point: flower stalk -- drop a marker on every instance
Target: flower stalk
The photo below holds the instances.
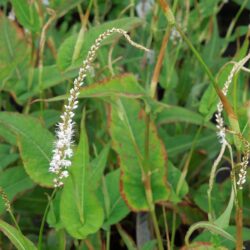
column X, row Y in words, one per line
column 63, row 146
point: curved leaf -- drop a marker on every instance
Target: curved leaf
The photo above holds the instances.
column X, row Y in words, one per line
column 123, row 85
column 35, row 144
column 209, row 226
column 17, row 239
column 14, row 181
column 223, row 220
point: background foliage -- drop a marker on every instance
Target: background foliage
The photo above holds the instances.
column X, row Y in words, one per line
column 104, row 202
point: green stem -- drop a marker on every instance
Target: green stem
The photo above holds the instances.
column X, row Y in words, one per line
column 132, row 3
column 239, row 221
column 173, row 230
column 108, row 239
column 147, row 184
column 14, row 220
column 166, row 227
column 40, row 239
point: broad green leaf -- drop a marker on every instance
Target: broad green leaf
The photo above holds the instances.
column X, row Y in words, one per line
column 81, row 212
column 14, row 181
column 35, row 144
column 7, row 135
column 180, row 143
column 16, row 238
column 128, row 129
column 117, row 209
column 174, row 114
column 123, row 85
column 27, row 14
column 66, row 50
column 219, row 194
column 14, row 50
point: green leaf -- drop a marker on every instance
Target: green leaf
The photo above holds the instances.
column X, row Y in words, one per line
column 26, row 14
column 49, row 116
column 150, row 245
column 56, row 240
column 53, row 217
column 14, row 50
column 14, row 181
column 7, row 135
column 174, row 175
column 210, row 99
column 130, row 244
column 172, row 114
column 97, row 167
column 117, row 207
column 33, row 202
column 61, row 7
column 93, row 241
column 219, row 194
column 7, row 155
column 17, row 239
column 51, row 77
column 206, row 236
column 123, row 85
column 128, row 129
column 35, row 144
column 81, row 212
column 66, row 50
column 239, row 2
column 180, row 143
column 224, row 218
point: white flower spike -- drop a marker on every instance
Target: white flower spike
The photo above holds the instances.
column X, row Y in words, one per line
column 63, row 152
